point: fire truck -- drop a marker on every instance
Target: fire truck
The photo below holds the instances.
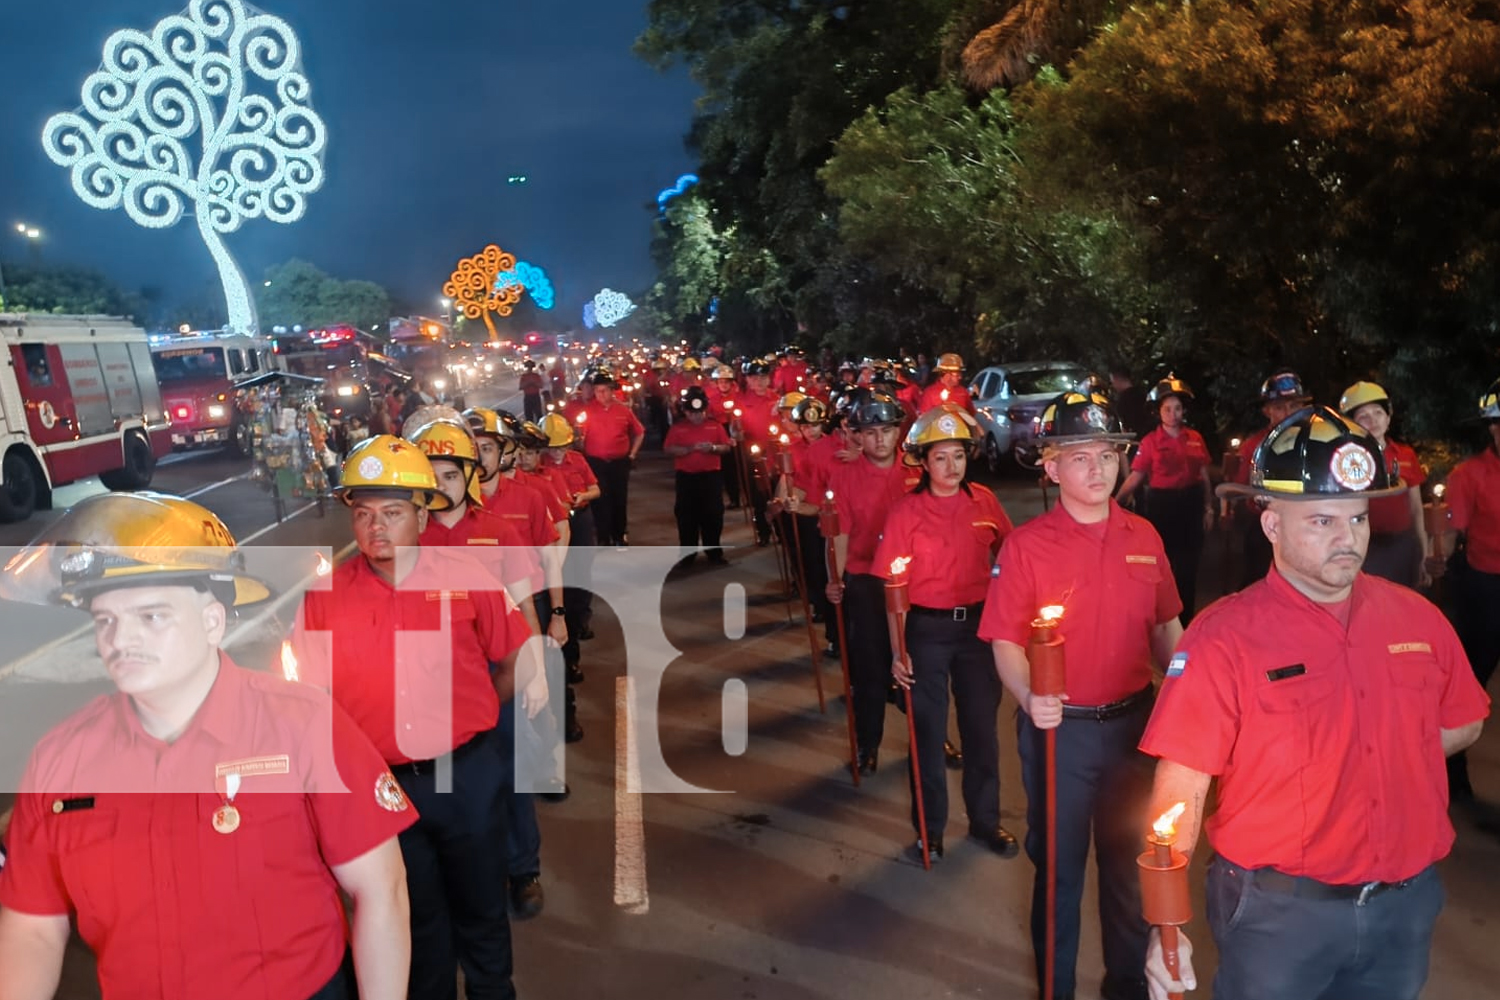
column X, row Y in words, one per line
column 78, row 398
column 200, row 373
column 348, row 361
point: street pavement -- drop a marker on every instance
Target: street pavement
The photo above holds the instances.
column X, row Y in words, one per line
column 787, row 884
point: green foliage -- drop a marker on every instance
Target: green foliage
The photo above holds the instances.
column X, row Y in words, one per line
column 297, row 293
column 61, row 289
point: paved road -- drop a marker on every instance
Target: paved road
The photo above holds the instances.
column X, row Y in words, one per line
column 787, row 886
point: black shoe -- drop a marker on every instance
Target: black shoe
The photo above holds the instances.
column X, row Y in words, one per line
column 572, row 731
column 761, row 541
column 831, row 651
column 717, row 559
column 952, row 756
column 574, row 675
column 817, row 617
column 869, row 760
column 999, row 839
column 557, row 791
column 526, row 896
column 913, row 852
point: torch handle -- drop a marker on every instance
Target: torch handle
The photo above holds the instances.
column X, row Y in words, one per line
column 1169, row 956
column 911, row 733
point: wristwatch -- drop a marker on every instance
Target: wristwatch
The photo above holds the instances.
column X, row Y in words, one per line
column 559, row 611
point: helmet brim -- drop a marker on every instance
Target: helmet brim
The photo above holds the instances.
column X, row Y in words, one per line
column 1228, row 491
column 1067, row 439
column 434, row 500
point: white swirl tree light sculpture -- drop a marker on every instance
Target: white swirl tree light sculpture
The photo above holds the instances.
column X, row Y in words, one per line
column 209, row 114
column 611, row 307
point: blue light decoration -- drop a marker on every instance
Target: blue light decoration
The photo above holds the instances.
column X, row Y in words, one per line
column 680, row 188
column 531, row 278
column 589, row 321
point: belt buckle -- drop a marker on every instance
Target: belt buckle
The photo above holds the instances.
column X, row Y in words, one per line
column 960, row 614
column 1367, row 892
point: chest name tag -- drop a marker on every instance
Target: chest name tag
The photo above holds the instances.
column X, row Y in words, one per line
column 72, row 805
column 1408, row 647
column 1141, row 560
column 441, row 595
column 273, row 764
column 1282, row 673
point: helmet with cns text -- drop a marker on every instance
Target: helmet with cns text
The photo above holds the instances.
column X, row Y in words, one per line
column 450, row 440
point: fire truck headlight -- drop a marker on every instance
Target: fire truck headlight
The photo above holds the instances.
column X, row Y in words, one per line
column 215, row 412
column 348, row 390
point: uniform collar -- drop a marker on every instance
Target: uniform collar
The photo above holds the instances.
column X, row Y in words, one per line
column 1285, row 592
column 218, row 717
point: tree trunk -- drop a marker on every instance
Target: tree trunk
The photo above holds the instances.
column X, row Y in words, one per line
column 491, row 324
column 237, row 296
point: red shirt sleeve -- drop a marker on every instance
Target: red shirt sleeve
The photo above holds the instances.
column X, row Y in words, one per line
column 352, row 823
column 502, row 628
column 1144, row 455
column 31, row 881
column 1011, row 603
column 1196, row 718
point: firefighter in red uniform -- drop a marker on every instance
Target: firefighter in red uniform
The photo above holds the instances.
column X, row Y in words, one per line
column 1281, row 395
column 791, row 372
column 1107, row 570
column 1398, row 530
column 756, row 412
column 723, row 398
column 698, row 445
column 582, row 489
column 612, row 439
column 1324, row 700
column 531, row 385
column 194, row 822
column 812, row 461
column 864, row 491
column 1173, row 462
column 450, row 447
column 1474, row 569
column 950, row 530
column 949, row 387
column 427, row 698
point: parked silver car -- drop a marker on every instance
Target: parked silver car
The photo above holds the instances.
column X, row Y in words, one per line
column 1008, row 397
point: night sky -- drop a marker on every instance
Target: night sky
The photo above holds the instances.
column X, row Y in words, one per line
column 429, row 108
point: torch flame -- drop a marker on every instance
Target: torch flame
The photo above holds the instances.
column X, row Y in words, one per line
column 325, row 565
column 899, row 564
column 737, row 411
column 1165, row 825
column 945, row 395
column 582, row 417
column 1234, row 442
column 755, row 449
column 289, row 661
column 1439, row 490
column 774, row 429
column 785, row 439
column 829, row 495
column 1051, row 613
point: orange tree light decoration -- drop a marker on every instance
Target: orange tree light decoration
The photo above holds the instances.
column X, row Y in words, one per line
column 471, row 286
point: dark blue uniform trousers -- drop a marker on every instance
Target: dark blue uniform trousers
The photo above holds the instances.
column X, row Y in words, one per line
column 869, row 656
column 456, row 879
column 1103, row 788
column 945, row 651
column 1273, row 943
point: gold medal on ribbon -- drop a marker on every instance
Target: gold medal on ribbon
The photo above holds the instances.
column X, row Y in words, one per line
column 226, row 819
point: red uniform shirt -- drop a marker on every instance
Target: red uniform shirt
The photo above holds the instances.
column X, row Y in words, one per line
column 172, row 908
column 720, row 403
column 757, row 414
column 517, row 561
column 685, row 434
column 571, row 410
column 531, row 383
column 1474, row 505
column 524, row 509
column 608, row 431
column 1114, row 583
column 1390, row 515
column 414, row 691
column 1325, row 741
column 933, row 396
column 822, row 458
column 575, row 472
column 789, row 377
column 543, row 485
column 1171, row 463
column 950, row 541
column 1247, row 453
column 864, row 495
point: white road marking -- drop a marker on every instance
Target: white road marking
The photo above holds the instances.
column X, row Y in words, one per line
column 631, row 894
column 276, row 524
column 222, row 482
column 44, row 649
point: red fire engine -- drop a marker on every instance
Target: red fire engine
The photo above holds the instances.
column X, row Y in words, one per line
column 199, row 374
column 78, row 398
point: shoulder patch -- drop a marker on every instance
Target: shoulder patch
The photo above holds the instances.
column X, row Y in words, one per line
column 388, row 794
column 1177, row 664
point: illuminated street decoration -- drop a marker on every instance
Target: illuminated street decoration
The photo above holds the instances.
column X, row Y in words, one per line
column 224, row 72
column 683, row 183
column 610, row 307
column 473, row 288
column 533, row 279
column 589, row 320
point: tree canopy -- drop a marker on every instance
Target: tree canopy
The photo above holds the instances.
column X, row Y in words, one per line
column 297, row 293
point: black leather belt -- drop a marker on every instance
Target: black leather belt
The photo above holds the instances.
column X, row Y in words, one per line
column 1103, row 713
column 416, row 767
column 1301, row 886
column 966, row 612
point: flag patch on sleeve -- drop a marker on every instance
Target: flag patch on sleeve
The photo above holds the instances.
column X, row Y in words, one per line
column 1177, row 665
